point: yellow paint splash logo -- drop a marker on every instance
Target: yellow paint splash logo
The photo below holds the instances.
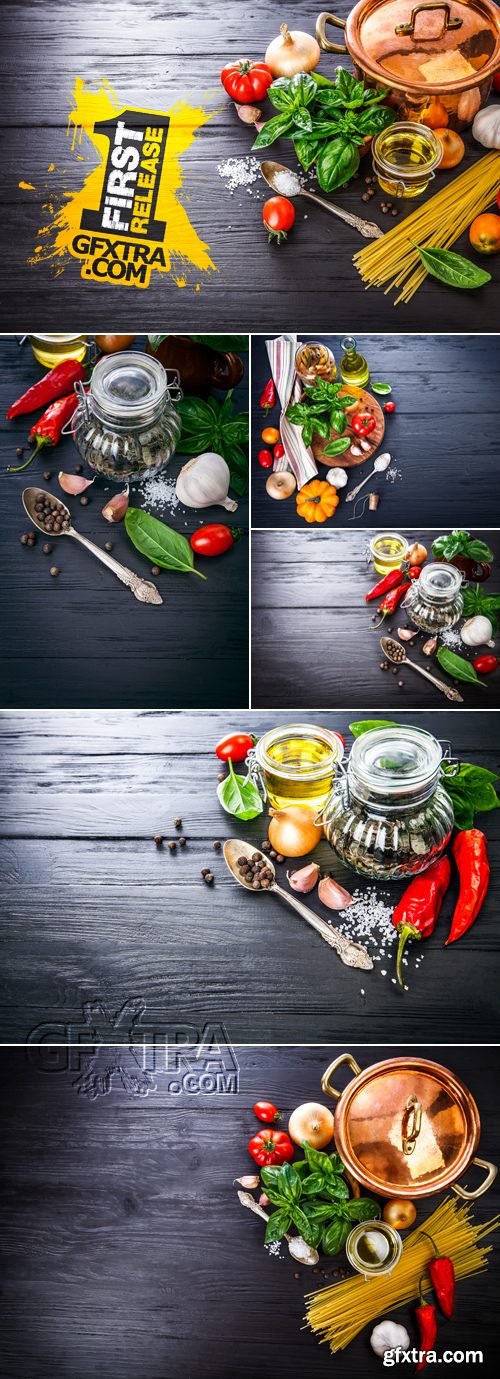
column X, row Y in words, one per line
column 127, row 220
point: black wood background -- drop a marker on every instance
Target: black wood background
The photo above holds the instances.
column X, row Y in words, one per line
column 313, row 640
column 443, row 435
column 154, row 54
column 83, row 640
column 126, row 1252
column 93, row 910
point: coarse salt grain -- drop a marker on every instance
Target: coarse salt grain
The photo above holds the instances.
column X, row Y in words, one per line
column 451, row 637
column 393, row 474
column 239, row 172
column 159, row 492
column 286, row 183
column 274, row 1249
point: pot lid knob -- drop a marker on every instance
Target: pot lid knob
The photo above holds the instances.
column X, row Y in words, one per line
column 411, row 1124
column 405, row 30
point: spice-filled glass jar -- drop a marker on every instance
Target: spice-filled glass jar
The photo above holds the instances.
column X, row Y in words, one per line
column 127, row 425
column 434, row 601
column 295, row 764
column 315, row 360
column 389, row 815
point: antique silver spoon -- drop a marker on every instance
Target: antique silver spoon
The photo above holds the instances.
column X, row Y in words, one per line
column 352, row 954
column 271, row 173
column 305, row 1254
column 142, row 589
column 382, row 462
column 397, row 654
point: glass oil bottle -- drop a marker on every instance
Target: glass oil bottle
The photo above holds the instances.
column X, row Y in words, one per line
column 353, row 366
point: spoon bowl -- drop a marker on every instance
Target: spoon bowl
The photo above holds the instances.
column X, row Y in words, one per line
column 271, row 171
column 233, row 849
column 30, row 496
column 142, row 589
column 399, row 657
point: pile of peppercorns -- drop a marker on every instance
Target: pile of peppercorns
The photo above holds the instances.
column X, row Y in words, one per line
column 385, row 206
column 255, row 872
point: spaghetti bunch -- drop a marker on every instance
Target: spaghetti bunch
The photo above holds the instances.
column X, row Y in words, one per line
column 440, row 222
column 336, row 1314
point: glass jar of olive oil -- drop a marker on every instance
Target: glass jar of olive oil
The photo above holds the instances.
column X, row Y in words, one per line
column 50, row 350
column 295, row 764
column 388, row 549
column 404, row 158
column 373, row 1248
column 434, row 601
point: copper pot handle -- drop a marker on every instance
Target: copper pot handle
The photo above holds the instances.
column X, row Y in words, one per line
column 405, row 30
column 411, row 1124
column 491, row 1173
column 324, row 42
column 332, row 1068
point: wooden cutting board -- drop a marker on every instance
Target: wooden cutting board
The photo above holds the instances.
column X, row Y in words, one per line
column 365, row 403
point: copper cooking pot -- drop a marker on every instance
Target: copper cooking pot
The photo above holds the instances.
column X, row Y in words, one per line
column 407, row 1127
column 423, row 54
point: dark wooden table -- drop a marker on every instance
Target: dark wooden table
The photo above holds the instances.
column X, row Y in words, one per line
column 313, row 640
column 126, row 1252
column 94, row 911
column 82, row 639
column 153, row 56
column 443, row 436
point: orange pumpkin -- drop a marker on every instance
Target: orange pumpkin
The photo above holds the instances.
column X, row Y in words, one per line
column 317, row 500
column 484, row 233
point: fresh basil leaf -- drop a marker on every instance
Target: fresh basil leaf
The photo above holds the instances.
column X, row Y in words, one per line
column 478, row 550
column 308, row 431
column 457, row 666
column 161, row 544
column 302, row 89
column 338, row 419
column 302, row 119
column 361, row 1209
column 313, row 1184
column 289, row 1183
column 236, row 344
column 317, row 1160
column 280, row 95
column 374, row 118
column 336, row 163
column 336, row 1190
column 270, row 1175
column 239, row 796
column 312, row 1233
column 302, row 1222
column 366, row 725
column 345, row 83
column 337, row 447
column 335, row 1236
column 475, row 601
column 273, row 129
column 317, row 1211
column 382, row 388
column 307, row 150
column 322, row 428
column 451, row 268
column 279, row 1222
column 473, row 786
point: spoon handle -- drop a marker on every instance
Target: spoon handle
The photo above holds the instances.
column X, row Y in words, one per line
column 352, row 954
column 367, row 228
column 448, row 690
column 142, row 589
column 354, row 491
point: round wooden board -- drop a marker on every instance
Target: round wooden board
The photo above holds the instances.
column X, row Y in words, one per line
column 367, row 403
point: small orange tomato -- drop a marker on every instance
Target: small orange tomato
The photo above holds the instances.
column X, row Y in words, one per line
column 453, row 147
column 270, row 435
column 484, row 233
column 435, row 115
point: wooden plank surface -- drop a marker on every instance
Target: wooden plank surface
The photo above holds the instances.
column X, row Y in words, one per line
column 443, row 436
column 125, row 1250
column 153, row 55
column 312, row 634
column 82, row 640
column 92, row 910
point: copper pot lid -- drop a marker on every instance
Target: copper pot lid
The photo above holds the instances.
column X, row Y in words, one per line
column 407, row 1127
column 438, row 46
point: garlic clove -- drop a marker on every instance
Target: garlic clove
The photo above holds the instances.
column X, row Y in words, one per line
column 405, row 634
column 305, row 879
column 430, row 646
column 264, row 1200
column 332, row 894
column 249, row 114
column 115, row 509
column 249, row 1180
column 73, row 483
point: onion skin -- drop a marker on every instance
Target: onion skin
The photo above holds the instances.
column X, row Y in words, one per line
column 417, row 555
column 293, row 51
column 399, row 1213
column 112, row 344
column 293, row 832
column 313, row 1123
column 281, row 485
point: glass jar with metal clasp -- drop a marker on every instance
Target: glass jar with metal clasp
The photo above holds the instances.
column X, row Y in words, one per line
column 295, row 764
column 127, row 426
column 389, row 815
column 435, row 601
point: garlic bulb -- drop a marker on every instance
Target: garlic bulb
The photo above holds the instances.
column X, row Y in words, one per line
column 388, row 1335
column 337, row 477
column 477, row 631
column 486, row 127
column 204, row 482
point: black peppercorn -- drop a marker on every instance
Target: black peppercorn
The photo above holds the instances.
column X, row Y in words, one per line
column 182, row 842
column 205, row 871
column 172, row 845
column 47, row 548
column 47, row 475
column 108, row 546
column 84, row 501
column 54, row 571
column 208, row 878
column 217, row 845
column 158, row 839
column 155, row 569
column 177, row 823
column 20, row 450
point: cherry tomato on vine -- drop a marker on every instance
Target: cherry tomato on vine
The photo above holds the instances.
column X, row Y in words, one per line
column 234, row 748
column 278, row 215
column 279, row 451
column 214, row 539
column 485, row 664
column 265, row 459
column 270, row 435
column 246, row 82
column 267, row 1111
column 271, row 1147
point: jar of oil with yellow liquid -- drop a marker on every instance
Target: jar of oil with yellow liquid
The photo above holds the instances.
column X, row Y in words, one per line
column 388, row 549
column 50, row 350
column 405, row 157
column 295, row 764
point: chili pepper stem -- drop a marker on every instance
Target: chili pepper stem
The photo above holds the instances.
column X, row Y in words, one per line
column 406, row 931
column 17, row 469
column 379, row 624
column 433, row 1242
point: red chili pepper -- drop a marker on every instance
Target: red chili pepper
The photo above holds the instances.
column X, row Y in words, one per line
column 59, row 381
column 363, row 423
column 442, row 1276
column 271, row 1147
column 390, row 603
column 485, row 664
column 471, row 856
column 427, row 1326
column 268, row 397
column 417, row 912
column 265, row 459
column 47, row 430
column 389, row 581
column 278, row 451
column 389, row 407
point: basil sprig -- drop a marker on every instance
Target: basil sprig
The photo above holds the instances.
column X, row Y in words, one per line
column 313, row 1195
column 451, row 268
column 161, row 544
column 471, row 789
column 321, row 410
column 486, row 605
column 239, row 796
column 327, row 121
column 461, row 543
column 457, row 666
column 208, row 424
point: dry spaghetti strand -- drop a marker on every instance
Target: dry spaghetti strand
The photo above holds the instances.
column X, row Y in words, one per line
column 440, row 222
column 336, row 1314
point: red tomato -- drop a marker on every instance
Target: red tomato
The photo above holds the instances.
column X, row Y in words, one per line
column 265, row 459
column 246, row 82
column 271, row 1147
column 214, row 539
column 278, row 215
column 485, row 664
column 389, row 407
column 279, row 451
column 266, row 1111
column 234, row 748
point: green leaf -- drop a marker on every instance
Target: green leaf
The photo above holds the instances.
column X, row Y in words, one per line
column 337, row 447
column 312, row 1233
column 336, row 1189
column 289, row 1183
column 335, row 1236
column 279, row 1222
column 313, row 1184
column 478, row 603
column 239, row 796
column 303, row 119
column 367, row 724
column 270, row 1175
column 234, row 344
column 318, row 1161
column 382, row 388
column 322, row 428
column 361, row 1209
column 338, row 419
column 473, row 789
column 337, row 162
column 302, row 1222
column 161, row 544
column 374, row 119
column 307, row 150
column 208, row 424
column 273, row 129
column 451, row 268
column 457, row 666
